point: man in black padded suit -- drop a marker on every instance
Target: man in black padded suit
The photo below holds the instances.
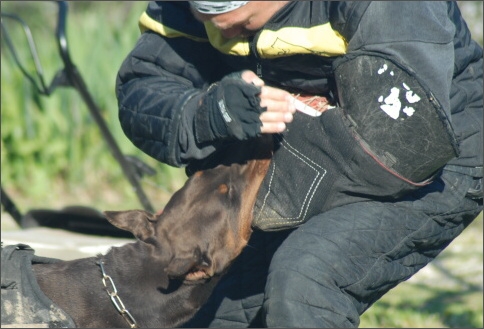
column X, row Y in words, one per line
column 357, row 199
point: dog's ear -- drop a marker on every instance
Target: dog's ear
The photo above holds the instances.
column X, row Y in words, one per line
column 139, row 222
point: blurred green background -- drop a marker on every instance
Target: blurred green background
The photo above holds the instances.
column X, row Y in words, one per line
column 53, row 154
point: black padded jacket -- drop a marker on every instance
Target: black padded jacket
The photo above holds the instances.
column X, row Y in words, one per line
column 163, row 79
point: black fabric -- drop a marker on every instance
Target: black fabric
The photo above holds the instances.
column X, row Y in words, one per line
column 351, row 12
column 176, row 15
column 467, row 120
column 159, row 120
column 319, row 164
column 466, row 49
column 350, row 256
column 405, row 128
column 230, row 109
column 22, row 300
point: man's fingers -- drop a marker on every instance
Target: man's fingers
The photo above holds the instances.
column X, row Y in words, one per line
column 275, row 94
column 273, row 128
column 280, row 109
column 274, row 117
column 274, row 122
column 277, row 105
column 251, row 77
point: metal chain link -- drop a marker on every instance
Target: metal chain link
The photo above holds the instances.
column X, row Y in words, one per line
column 115, row 298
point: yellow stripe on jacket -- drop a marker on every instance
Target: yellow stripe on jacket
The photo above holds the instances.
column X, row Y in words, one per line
column 320, row 40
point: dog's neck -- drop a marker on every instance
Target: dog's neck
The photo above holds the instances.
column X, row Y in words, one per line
column 142, row 285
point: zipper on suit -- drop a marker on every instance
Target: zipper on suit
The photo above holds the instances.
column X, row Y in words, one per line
column 259, row 70
column 253, row 50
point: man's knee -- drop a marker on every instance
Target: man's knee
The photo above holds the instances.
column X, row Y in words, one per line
column 302, row 291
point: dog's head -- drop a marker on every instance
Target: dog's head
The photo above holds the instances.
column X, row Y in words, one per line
column 206, row 223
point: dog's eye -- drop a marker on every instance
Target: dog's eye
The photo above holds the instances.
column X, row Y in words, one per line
column 228, row 192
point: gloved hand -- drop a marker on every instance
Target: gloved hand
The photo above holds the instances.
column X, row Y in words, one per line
column 230, row 109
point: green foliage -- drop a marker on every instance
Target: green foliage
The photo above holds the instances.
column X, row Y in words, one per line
column 417, row 305
column 52, row 150
column 472, row 12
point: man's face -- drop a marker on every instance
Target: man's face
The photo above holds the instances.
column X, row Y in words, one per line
column 243, row 21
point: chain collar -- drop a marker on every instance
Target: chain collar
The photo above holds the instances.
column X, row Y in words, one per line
column 115, row 298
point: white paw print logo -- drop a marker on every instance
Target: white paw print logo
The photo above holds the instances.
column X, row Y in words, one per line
column 392, row 105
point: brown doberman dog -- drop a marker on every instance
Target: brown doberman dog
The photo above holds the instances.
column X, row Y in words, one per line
column 165, row 277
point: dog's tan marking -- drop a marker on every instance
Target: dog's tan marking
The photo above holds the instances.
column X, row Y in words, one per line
column 223, row 188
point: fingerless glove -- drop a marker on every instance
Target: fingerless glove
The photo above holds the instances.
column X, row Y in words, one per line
column 230, row 109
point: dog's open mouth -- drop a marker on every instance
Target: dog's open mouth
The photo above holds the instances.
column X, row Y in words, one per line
column 197, row 273
column 190, row 269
